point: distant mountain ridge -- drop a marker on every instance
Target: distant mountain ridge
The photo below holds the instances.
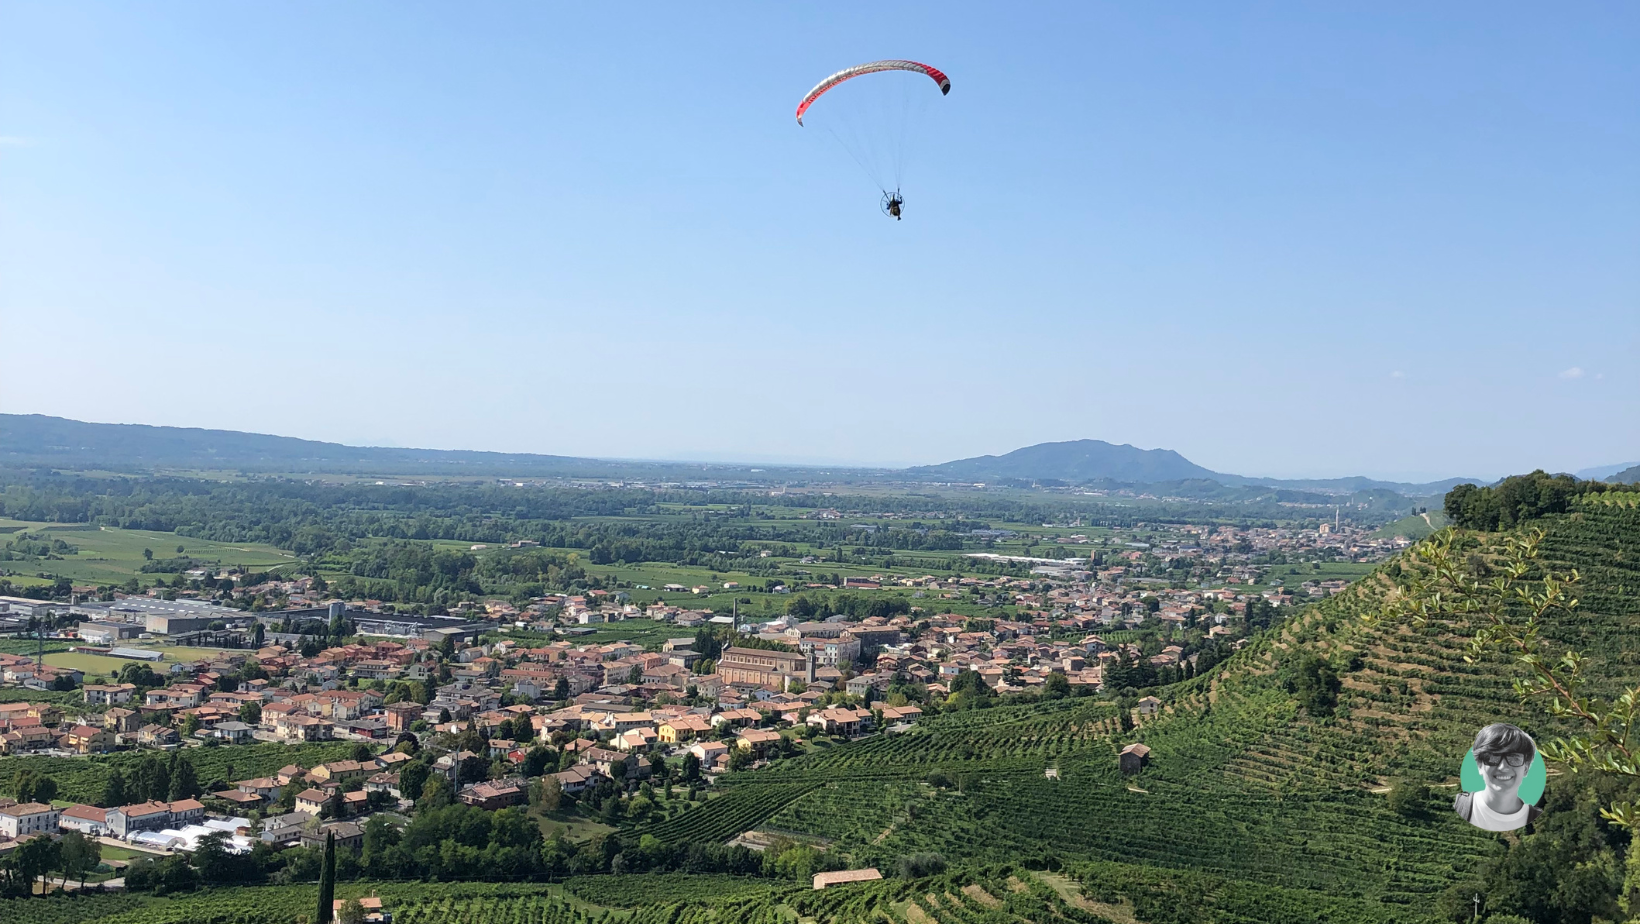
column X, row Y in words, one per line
column 1608, row 472
column 36, row 439
column 1088, row 461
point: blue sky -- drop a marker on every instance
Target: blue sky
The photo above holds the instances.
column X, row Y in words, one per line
column 1282, row 239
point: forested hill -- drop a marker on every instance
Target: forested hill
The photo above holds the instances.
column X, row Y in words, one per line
column 34, row 439
column 1101, row 464
column 1310, row 777
column 1073, row 462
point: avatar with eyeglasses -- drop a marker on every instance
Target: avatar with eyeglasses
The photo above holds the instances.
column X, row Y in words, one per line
column 1503, row 754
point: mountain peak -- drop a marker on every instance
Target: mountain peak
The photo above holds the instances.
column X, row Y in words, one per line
column 1074, row 461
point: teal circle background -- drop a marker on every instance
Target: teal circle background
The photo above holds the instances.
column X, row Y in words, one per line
column 1531, row 788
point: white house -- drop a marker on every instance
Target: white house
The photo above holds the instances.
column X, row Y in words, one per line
column 28, row 818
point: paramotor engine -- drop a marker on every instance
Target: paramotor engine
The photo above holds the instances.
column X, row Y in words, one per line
column 875, row 120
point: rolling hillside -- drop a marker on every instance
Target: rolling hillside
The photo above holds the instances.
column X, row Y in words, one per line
column 1249, row 800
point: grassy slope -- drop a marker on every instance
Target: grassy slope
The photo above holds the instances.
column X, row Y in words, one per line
column 1414, row 527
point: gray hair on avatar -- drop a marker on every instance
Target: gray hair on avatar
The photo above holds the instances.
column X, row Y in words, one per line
column 1495, row 741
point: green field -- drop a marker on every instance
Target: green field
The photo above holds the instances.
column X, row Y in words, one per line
column 89, row 663
column 644, row 581
column 94, row 664
column 570, row 822
column 1414, row 527
column 110, row 852
column 1294, row 575
column 113, row 556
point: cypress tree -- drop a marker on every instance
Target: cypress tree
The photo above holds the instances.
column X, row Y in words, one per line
column 327, row 881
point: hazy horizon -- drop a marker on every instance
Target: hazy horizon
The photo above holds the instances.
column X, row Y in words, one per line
column 725, row 458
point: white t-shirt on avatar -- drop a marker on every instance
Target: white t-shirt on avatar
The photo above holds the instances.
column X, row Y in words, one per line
column 1482, row 816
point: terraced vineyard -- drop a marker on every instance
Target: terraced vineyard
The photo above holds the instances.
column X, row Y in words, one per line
column 1243, row 785
column 1002, row 895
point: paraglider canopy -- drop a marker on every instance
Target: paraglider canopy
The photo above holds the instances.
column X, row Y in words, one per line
column 848, row 73
column 875, row 120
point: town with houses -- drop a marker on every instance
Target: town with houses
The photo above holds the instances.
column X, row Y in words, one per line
column 469, row 694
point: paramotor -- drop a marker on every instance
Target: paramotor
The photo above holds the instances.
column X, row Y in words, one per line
column 874, row 120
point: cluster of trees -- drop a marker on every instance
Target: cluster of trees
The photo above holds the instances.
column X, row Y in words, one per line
column 1262, row 614
column 156, row 777
column 1569, row 866
column 1127, row 673
column 1314, row 681
column 74, row 856
column 30, row 546
column 1519, row 499
column 452, row 841
column 139, row 674
column 30, row 786
column 854, row 606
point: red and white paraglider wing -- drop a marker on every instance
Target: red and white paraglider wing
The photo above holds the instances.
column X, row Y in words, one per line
column 850, row 73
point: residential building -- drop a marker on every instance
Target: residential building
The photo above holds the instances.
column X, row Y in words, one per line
column 28, row 818
column 23, row 739
column 157, row 736
column 87, row 740
column 122, row 721
column 713, row 755
column 230, row 732
column 401, row 715
column 494, row 795
column 340, row 771
column 346, row 833
column 102, row 694
column 89, row 820
column 684, row 729
column 758, row 741
column 153, row 816
column 312, row 801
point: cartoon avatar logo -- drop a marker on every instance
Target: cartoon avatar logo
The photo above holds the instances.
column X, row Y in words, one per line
column 1503, row 778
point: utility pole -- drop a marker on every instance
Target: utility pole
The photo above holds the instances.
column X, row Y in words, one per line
column 1477, row 900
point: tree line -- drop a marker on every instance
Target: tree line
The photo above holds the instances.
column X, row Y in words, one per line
column 1520, row 499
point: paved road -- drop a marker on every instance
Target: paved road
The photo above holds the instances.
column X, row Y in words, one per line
column 74, row 885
